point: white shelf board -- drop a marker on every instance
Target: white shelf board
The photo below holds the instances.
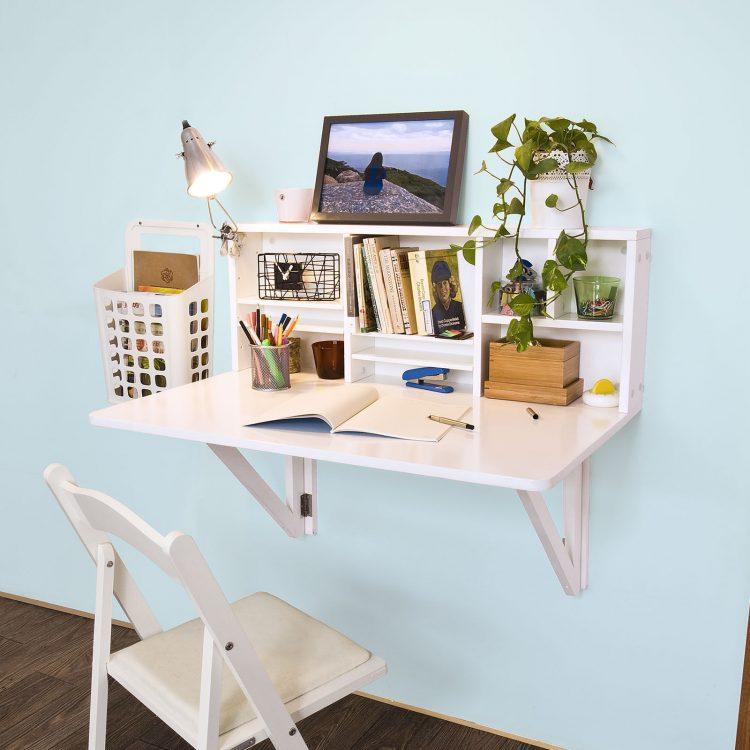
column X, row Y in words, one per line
column 422, row 359
column 415, row 339
column 290, row 303
column 312, row 328
column 543, row 233
column 569, row 321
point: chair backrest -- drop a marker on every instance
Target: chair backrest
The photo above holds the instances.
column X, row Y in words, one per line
column 95, row 516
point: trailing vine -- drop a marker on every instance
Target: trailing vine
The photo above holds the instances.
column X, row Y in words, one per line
column 533, row 158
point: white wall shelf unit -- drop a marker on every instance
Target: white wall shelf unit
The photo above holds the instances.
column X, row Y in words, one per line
column 614, row 349
column 556, row 449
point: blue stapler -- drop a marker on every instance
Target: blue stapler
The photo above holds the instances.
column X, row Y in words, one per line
column 417, row 378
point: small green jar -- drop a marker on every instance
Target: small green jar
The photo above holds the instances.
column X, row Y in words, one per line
column 596, row 296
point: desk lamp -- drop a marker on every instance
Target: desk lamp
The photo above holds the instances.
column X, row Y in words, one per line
column 206, row 176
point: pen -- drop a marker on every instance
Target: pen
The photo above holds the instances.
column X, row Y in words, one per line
column 451, row 422
column 532, row 413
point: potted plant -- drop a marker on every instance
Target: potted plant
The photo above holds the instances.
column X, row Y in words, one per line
column 550, row 164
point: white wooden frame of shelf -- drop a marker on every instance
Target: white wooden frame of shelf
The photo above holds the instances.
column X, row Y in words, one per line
column 568, row 321
column 568, row 553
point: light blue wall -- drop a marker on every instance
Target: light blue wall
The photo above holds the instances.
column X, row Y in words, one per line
column 447, row 582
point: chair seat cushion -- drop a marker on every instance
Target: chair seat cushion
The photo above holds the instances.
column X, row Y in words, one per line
column 298, row 652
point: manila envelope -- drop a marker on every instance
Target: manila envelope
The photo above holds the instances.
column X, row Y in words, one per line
column 172, row 270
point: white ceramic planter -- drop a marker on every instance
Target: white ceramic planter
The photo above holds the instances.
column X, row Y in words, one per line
column 294, row 204
column 557, row 183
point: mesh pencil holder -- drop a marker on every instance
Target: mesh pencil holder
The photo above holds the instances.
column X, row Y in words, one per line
column 151, row 342
column 270, row 367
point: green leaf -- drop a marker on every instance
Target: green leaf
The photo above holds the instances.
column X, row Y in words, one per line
column 500, row 145
column 520, row 332
column 551, row 200
column 515, row 207
column 501, row 232
column 571, row 252
column 516, row 271
column 589, row 127
column 470, row 251
column 543, row 166
column 524, row 155
column 476, row 222
column 523, row 304
column 558, row 123
column 495, row 287
column 602, row 137
column 504, row 186
column 502, row 129
column 553, row 277
column 574, row 167
column 483, row 168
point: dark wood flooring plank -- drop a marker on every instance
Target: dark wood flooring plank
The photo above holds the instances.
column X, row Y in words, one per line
column 394, row 730
column 26, row 696
column 51, row 722
column 36, row 623
column 9, row 609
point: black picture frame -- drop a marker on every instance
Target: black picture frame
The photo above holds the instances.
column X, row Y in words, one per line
column 453, row 182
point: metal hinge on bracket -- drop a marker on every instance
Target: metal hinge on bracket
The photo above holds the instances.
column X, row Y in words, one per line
column 305, row 505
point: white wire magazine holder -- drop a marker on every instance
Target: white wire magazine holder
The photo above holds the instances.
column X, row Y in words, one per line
column 149, row 341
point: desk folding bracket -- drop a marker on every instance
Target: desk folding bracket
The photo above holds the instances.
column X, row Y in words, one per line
column 297, row 514
column 569, row 555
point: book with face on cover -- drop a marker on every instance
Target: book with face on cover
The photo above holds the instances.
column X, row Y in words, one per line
column 437, row 291
column 359, row 408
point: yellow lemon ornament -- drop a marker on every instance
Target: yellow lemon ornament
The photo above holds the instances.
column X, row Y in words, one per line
column 603, row 393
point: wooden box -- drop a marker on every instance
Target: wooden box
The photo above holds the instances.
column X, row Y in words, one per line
column 535, row 394
column 554, row 364
column 545, row 374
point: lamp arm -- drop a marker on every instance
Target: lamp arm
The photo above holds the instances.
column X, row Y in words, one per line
column 227, row 232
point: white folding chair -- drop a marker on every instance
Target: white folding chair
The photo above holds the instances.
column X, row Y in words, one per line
column 230, row 678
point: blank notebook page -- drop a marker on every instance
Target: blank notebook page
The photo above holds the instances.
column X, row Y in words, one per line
column 405, row 418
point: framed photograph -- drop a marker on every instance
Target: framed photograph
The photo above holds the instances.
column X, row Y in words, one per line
column 391, row 169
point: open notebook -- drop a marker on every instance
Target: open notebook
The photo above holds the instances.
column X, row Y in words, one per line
column 359, row 408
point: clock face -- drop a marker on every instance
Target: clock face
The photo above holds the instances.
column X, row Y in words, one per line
column 287, row 276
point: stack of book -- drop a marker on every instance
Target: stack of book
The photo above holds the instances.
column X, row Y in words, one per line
column 404, row 290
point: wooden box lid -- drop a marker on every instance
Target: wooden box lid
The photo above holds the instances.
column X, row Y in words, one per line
column 551, row 350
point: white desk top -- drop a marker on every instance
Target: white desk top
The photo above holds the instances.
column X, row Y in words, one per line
column 509, row 449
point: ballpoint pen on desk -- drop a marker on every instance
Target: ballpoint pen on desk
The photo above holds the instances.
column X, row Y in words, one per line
column 451, row 422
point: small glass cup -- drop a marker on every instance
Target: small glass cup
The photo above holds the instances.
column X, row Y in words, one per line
column 596, row 296
column 270, row 367
column 329, row 359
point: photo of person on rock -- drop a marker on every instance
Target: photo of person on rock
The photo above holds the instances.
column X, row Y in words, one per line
column 387, row 167
column 374, row 175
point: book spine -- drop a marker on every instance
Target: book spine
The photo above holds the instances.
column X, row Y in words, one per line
column 405, row 278
column 396, row 264
column 365, row 320
column 389, row 277
column 351, row 295
column 371, row 285
column 421, row 292
column 378, row 287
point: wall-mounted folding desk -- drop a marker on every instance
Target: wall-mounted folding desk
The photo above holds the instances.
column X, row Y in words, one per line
column 508, row 450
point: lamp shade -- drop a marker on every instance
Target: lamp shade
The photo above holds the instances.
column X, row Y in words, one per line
column 205, row 174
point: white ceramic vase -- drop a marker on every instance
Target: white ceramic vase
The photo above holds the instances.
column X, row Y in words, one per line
column 557, row 182
column 294, row 204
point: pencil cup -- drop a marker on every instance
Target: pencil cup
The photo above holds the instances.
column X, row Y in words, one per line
column 270, row 367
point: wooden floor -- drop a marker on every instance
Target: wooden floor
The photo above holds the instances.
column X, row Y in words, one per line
column 45, row 658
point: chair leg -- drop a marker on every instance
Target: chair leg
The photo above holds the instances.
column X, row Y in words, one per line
column 105, row 563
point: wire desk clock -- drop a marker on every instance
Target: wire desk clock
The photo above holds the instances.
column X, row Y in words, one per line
column 312, row 277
